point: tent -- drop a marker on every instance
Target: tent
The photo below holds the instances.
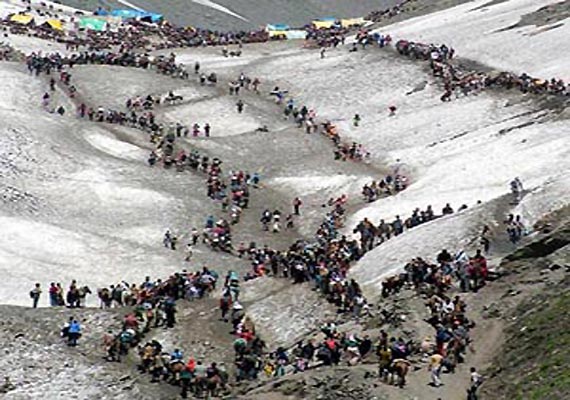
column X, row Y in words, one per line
column 296, row 34
column 55, row 24
column 277, row 34
column 351, row 22
column 94, row 24
column 23, row 19
column 277, row 27
column 323, row 24
column 132, row 14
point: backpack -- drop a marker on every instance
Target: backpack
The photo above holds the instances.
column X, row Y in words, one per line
column 32, row 294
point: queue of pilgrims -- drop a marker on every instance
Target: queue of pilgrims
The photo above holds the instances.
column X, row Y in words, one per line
column 323, row 263
column 460, row 81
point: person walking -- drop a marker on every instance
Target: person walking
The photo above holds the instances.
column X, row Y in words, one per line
column 73, row 333
column 435, row 362
column 476, row 380
column 240, row 106
column 297, row 203
column 53, row 295
column 35, row 295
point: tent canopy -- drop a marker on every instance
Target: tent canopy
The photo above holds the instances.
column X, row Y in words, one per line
column 132, row 14
column 296, row 34
column 55, row 24
column 23, row 19
column 94, row 24
column 277, row 33
column 323, row 24
column 351, row 22
column 278, row 27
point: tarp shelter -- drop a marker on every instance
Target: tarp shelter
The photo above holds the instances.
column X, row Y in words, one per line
column 133, row 14
column 277, row 34
column 351, row 22
column 94, row 24
column 296, row 34
column 277, row 27
column 55, row 24
column 323, row 24
column 23, row 19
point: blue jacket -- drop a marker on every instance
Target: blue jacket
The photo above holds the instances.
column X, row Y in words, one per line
column 74, row 327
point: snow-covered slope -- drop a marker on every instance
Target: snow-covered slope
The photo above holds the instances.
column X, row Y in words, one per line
column 487, row 31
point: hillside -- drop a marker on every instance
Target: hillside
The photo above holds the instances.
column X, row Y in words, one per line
column 82, row 197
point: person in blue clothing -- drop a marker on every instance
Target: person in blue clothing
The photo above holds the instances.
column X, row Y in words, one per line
column 73, row 333
column 176, row 355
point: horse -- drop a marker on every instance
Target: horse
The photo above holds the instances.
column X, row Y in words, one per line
column 174, row 368
column 104, row 295
column 400, row 368
column 173, row 99
column 82, row 293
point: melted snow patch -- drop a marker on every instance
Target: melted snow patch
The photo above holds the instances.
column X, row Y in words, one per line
column 221, row 114
column 309, row 185
column 116, row 193
column 114, row 147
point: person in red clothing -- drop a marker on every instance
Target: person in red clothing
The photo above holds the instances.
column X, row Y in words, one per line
column 130, row 322
column 482, row 261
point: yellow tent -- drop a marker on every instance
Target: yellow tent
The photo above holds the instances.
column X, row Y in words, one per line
column 323, row 24
column 55, row 24
column 351, row 21
column 277, row 33
column 23, row 19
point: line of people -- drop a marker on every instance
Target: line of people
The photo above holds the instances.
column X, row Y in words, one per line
column 373, row 235
column 307, row 118
column 447, row 314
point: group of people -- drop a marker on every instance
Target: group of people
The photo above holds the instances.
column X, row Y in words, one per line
column 387, row 186
column 154, row 305
column 447, row 314
column 463, row 82
column 307, row 118
column 129, row 34
column 74, row 297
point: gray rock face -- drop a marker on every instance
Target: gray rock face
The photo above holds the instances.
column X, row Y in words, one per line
column 255, row 13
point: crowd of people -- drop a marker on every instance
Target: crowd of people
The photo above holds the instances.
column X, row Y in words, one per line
column 323, row 261
column 447, row 313
column 460, row 81
column 387, row 186
column 373, row 235
column 131, row 34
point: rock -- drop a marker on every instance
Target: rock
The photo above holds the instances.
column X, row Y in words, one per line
column 124, row 378
column 19, row 335
column 555, row 267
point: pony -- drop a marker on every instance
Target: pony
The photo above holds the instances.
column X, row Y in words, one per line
column 82, row 293
column 104, row 295
column 400, row 369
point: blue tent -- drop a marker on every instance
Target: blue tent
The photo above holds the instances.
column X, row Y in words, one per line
column 278, row 27
column 132, row 14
